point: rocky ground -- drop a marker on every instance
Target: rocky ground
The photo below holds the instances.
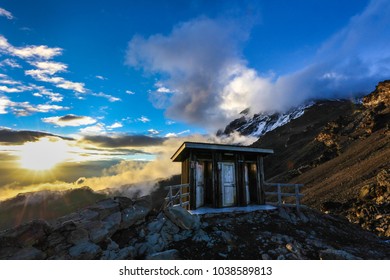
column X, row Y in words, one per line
column 120, row 228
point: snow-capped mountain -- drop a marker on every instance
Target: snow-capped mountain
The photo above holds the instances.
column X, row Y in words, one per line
column 260, row 124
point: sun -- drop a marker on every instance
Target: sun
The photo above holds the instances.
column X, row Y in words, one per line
column 43, row 154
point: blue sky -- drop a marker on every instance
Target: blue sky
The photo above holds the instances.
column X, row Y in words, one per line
column 124, row 78
column 93, row 37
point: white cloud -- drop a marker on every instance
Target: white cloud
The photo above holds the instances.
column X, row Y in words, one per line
column 50, row 67
column 143, row 119
column 45, row 69
column 107, row 96
column 40, row 52
column 36, row 52
column 9, row 89
column 101, row 77
column 69, row 120
column 210, row 82
column 44, row 108
column 8, row 81
column 174, row 135
column 5, row 13
column 164, row 90
column 43, row 76
column 10, row 62
column 153, row 131
column 25, row 108
column 130, row 92
column 53, row 96
column 4, row 104
column 79, row 87
column 95, row 129
column 114, row 125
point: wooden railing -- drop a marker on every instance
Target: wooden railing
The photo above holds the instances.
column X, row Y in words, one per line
column 178, row 195
column 281, row 194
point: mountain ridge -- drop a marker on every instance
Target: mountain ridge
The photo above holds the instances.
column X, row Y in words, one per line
column 340, row 151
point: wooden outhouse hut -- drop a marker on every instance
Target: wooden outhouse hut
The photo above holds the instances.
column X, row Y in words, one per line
column 216, row 175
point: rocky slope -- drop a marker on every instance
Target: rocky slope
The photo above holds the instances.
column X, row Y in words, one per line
column 45, row 205
column 340, row 150
column 120, row 228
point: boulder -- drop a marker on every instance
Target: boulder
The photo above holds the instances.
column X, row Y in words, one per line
column 88, row 214
column 28, row 234
column 133, row 215
column 112, row 222
column 28, row 253
column 124, row 202
column 172, row 254
column 156, row 225
column 77, row 236
column 126, row 253
column 182, row 218
column 105, row 207
column 333, row 254
column 97, row 231
column 200, row 236
column 84, row 251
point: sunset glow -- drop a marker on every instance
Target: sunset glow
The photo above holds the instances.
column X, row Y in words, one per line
column 43, row 154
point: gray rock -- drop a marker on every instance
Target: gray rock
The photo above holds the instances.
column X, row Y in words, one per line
column 112, row 222
column 223, row 255
column 124, row 202
column 132, row 215
column 28, row 253
column 182, row 235
column 27, row 234
column 332, row 254
column 226, row 236
column 126, row 253
column 144, row 249
column 166, row 237
column 77, row 236
column 317, row 243
column 55, row 238
column 84, row 251
column 97, row 231
column 266, row 257
column 112, row 245
column 156, row 225
column 88, row 214
column 182, row 218
column 108, row 255
column 67, row 225
column 302, row 217
column 144, row 202
column 283, row 214
column 200, row 236
column 166, row 255
column 170, row 227
column 153, row 238
column 205, row 224
column 141, row 233
column 105, row 208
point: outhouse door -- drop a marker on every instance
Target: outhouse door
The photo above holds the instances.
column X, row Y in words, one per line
column 228, row 184
column 246, row 182
column 199, row 184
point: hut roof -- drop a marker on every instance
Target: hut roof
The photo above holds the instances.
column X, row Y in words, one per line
column 182, row 152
